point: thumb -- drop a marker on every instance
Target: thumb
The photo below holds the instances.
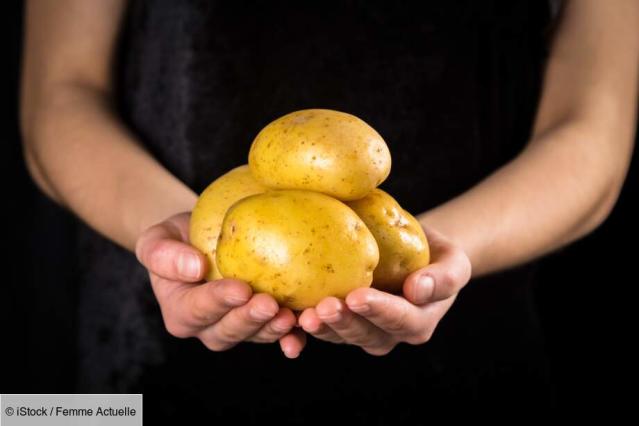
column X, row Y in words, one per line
column 441, row 279
column 161, row 250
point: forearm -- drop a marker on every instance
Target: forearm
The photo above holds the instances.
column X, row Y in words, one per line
column 568, row 177
column 554, row 192
column 81, row 155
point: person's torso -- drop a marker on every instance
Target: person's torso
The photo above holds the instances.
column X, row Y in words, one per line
column 451, row 86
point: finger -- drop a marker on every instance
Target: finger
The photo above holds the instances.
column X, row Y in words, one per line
column 161, row 250
column 353, row 328
column 443, row 278
column 393, row 314
column 276, row 328
column 293, row 343
column 311, row 323
column 240, row 323
column 205, row 304
column 187, row 308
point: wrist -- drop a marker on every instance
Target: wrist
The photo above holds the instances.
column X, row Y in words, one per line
column 154, row 206
column 436, row 220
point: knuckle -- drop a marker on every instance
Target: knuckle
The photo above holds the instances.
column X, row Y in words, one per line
column 277, row 331
column 143, row 247
column 254, row 322
column 467, row 269
column 398, row 322
column 379, row 350
column 139, row 251
column 365, row 338
column 177, row 329
column 464, row 267
column 347, row 321
column 421, row 337
column 156, row 255
column 267, row 337
column 215, row 345
column 427, row 335
column 200, row 312
column 229, row 335
column 449, row 280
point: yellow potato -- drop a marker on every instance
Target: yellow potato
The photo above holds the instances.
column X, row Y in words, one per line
column 299, row 246
column 403, row 247
column 206, row 218
column 320, row 150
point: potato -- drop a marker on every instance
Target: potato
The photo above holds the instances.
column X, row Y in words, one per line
column 403, row 247
column 298, row 246
column 206, row 218
column 320, row 150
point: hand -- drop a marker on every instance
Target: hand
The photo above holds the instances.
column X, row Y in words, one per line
column 220, row 313
column 378, row 321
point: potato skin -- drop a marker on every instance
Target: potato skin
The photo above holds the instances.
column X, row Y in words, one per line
column 403, row 247
column 320, row 150
column 207, row 216
column 298, row 246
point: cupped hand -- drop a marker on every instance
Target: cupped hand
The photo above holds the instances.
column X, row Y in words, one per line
column 377, row 321
column 220, row 313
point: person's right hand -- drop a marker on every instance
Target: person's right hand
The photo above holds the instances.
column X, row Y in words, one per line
column 220, row 313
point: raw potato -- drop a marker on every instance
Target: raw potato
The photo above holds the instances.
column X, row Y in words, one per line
column 403, row 247
column 207, row 216
column 299, row 246
column 320, row 150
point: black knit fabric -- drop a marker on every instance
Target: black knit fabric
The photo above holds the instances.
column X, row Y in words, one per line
column 451, row 86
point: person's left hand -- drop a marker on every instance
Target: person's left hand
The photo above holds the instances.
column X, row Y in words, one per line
column 377, row 321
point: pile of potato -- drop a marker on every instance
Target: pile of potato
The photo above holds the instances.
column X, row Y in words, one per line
column 305, row 220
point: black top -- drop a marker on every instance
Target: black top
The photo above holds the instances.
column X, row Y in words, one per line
column 451, row 86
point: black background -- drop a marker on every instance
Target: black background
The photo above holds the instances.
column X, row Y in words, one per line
column 585, row 296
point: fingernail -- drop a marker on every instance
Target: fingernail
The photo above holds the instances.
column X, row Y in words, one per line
column 280, row 328
column 260, row 315
column 313, row 328
column 424, row 289
column 332, row 318
column 360, row 309
column 188, row 265
column 235, row 301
